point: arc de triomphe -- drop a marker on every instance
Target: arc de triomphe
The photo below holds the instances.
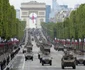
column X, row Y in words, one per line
column 33, row 13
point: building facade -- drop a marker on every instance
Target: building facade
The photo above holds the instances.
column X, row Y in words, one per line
column 33, row 13
column 60, row 16
column 56, row 9
column 18, row 13
column 48, row 11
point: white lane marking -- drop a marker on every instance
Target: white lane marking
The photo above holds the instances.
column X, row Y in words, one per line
column 23, row 64
column 48, row 66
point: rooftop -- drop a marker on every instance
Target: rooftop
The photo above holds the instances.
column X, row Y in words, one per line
column 31, row 2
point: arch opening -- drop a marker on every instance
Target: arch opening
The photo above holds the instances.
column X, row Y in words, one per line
column 32, row 20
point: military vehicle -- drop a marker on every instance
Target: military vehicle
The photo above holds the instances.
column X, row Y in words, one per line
column 45, row 48
column 68, row 61
column 24, row 50
column 29, row 48
column 32, row 39
column 68, row 47
column 60, row 48
column 80, row 59
column 38, row 44
column 29, row 55
column 46, row 59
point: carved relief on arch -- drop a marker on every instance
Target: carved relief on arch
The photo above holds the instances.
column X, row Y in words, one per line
column 36, row 12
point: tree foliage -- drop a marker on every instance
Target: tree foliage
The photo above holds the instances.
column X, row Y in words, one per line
column 10, row 26
column 72, row 27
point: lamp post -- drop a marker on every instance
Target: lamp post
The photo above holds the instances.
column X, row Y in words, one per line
column 54, row 33
column 82, row 41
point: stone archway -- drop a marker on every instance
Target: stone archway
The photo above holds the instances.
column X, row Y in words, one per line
column 36, row 8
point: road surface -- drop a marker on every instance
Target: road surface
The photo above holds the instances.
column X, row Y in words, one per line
column 19, row 63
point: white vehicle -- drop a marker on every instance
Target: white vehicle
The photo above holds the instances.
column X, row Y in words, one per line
column 80, row 59
column 29, row 55
column 46, row 59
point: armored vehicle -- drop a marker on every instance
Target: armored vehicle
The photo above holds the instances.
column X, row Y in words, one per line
column 46, row 59
column 60, row 48
column 29, row 55
column 68, row 61
column 32, row 39
column 38, row 44
column 45, row 48
column 29, row 49
column 80, row 59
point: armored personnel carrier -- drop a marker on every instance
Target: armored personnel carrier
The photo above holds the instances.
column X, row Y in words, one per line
column 68, row 61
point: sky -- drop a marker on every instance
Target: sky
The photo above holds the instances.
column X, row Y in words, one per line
column 70, row 3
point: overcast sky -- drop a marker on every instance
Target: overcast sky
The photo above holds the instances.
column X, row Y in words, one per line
column 70, row 3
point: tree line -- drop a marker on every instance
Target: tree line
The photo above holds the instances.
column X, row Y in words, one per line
column 72, row 27
column 10, row 26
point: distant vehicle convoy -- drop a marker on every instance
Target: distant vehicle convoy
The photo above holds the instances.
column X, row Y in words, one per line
column 28, row 53
column 61, row 47
column 67, row 60
column 28, row 49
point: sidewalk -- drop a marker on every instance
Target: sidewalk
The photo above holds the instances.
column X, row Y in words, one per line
column 17, row 62
column 4, row 56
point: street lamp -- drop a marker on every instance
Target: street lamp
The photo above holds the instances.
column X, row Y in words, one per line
column 54, row 32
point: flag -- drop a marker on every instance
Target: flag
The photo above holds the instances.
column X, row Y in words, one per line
column 33, row 18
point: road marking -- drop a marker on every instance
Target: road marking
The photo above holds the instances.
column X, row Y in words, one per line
column 23, row 64
column 43, row 66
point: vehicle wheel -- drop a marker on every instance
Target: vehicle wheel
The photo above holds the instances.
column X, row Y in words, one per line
column 76, row 63
column 50, row 63
column 62, row 67
column 7, row 68
column 38, row 56
column 40, row 60
column 74, row 67
column 32, row 58
column 42, row 64
column 84, row 63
